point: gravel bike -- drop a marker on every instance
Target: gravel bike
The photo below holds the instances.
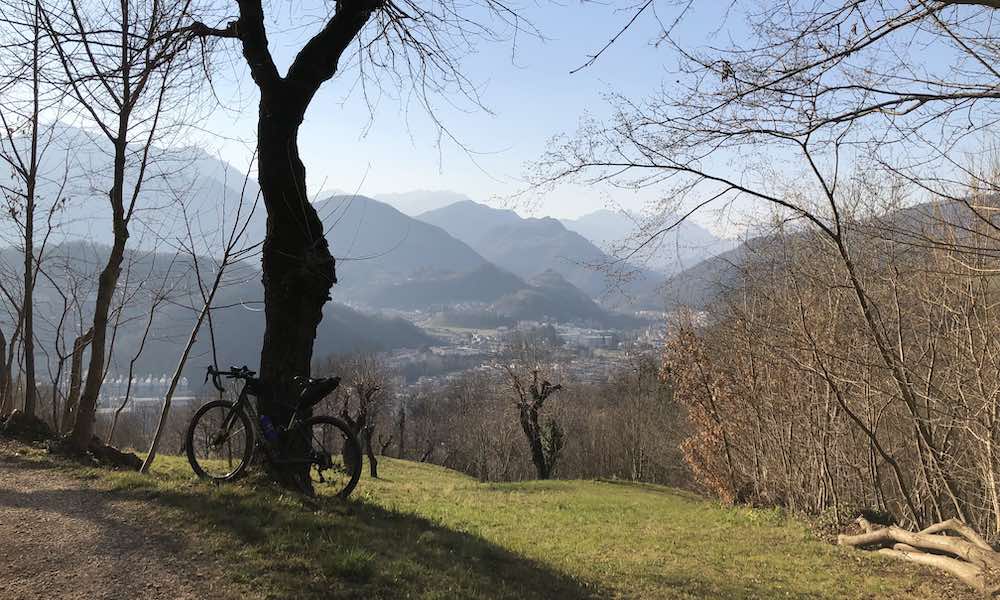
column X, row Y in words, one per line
column 224, row 436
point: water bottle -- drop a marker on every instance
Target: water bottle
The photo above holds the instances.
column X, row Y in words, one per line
column 270, row 434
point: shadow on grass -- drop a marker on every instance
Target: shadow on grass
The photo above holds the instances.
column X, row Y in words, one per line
column 278, row 546
column 357, row 549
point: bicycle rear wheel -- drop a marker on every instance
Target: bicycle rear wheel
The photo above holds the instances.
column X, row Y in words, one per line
column 220, row 441
column 334, row 455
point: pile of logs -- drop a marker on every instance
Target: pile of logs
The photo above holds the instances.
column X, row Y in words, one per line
column 951, row 546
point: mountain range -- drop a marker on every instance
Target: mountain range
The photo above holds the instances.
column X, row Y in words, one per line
column 528, row 247
column 432, row 253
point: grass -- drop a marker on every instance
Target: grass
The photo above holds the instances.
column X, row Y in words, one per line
column 427, row 532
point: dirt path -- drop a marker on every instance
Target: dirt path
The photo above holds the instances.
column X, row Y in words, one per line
column 60, row 538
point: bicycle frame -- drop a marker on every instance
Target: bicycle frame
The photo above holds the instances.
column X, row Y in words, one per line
column 243, row 403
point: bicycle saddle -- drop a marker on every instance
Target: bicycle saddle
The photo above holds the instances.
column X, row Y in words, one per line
column 314, row 390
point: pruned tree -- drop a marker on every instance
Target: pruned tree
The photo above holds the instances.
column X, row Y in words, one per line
column 523, row 361
column 370, row 380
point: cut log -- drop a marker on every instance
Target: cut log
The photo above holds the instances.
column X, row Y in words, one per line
column 966, row 555
column 961, row 529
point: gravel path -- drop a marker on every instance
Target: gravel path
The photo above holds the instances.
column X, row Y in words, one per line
column 60, row 538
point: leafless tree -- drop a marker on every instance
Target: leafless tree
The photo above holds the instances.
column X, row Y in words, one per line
column 370, row 380
column 235, row 247
column 123, row 66
column 523, row 362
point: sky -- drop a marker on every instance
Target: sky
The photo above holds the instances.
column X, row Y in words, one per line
column 529, row 91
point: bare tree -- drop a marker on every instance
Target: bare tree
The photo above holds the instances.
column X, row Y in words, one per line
column 370, row 380
column 123, row 65
column 523, row 362
column 234, row 249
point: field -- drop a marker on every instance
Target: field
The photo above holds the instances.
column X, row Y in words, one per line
column 427, row 532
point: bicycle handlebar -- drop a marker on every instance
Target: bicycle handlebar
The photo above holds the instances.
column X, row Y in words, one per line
column 233, row 373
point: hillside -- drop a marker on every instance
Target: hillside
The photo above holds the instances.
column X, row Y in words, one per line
column 551, row 297
column 529, row 247
column 525, row 247
column 470, row 221
column 427, row 532
column 700, row 284
column 429, row 290
column 75, row 169
column 238, row 321
column 416, row 202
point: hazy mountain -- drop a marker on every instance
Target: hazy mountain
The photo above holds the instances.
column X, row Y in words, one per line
column 484, row 285
column 420, row 201
column 470, row 221
column 529, row 247
column 377, row 247
column 533, row 246
column 181, row 185
column 238, row 319
column 702, row 283
column 551, row 297
column 682, row 247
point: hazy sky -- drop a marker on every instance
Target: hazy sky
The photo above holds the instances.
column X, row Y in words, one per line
column 529, row 90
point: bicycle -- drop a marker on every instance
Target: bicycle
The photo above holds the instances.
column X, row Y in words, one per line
column 223, row 437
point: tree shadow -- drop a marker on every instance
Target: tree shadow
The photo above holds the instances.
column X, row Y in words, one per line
column 280, row 547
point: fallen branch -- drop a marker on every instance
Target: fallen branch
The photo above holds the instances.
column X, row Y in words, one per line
column 965, row 555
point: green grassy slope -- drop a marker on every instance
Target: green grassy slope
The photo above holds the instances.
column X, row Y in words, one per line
column 427, row 532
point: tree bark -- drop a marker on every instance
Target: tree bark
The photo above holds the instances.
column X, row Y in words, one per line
column 75, row 378
column 298, row 269
column 372, row 459
column 5, row 404
column 529, row 424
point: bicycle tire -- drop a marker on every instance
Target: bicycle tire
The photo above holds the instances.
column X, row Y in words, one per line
column 350, row 451
column 248, row 449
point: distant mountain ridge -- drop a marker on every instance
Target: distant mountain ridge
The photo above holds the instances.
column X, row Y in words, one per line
column 528, row 247
column 420, row 201
column 684, row 246
column 385, row 257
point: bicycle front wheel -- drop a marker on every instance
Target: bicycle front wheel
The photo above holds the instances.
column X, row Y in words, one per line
column 220, row 441
column 334, row 455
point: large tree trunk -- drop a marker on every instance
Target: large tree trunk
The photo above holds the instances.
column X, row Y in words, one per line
column 298, row 269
